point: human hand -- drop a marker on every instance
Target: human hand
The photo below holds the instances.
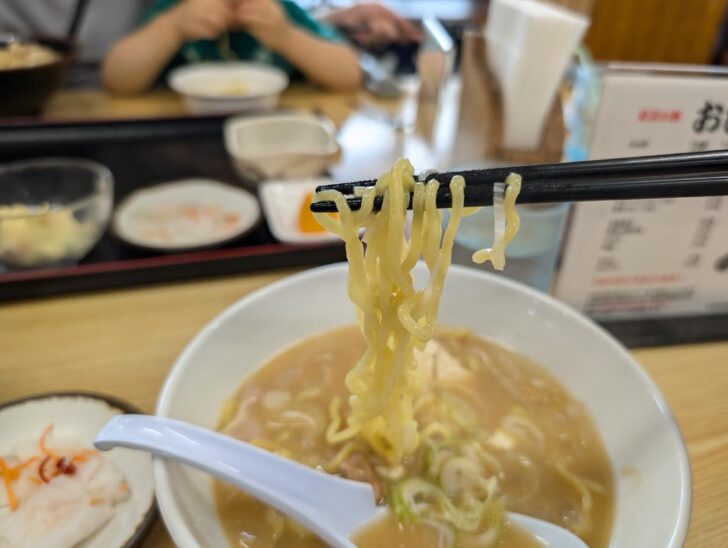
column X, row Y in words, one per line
column 265, row 20
column 373, row 24
column 202, row 19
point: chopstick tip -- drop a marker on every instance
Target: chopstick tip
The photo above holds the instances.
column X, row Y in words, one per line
column 323, row 207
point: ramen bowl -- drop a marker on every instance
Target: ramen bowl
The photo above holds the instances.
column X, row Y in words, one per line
column 647, row 453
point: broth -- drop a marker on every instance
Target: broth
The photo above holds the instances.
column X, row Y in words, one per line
column 503, row 411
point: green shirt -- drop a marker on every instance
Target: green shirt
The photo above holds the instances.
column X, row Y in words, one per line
column 241, row 44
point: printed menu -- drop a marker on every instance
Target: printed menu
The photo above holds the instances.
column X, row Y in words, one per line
column 652, row 258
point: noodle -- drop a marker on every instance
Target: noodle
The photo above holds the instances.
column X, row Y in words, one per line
column 481, row 450
column 506, row 222
column 340, row 457
column 416, row 426
column 394, row 316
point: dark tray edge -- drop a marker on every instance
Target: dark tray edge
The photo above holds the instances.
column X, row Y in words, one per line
column 669, row 331
column 46, row 283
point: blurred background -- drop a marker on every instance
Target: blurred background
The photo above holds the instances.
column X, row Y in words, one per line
column 144, row 141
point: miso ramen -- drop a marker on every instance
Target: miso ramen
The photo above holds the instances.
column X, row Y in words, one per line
column 497, row 434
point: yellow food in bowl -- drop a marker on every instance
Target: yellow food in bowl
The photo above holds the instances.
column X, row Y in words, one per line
column 30, row 236
column 25, row 55
column 306, row 222
column 233, row 90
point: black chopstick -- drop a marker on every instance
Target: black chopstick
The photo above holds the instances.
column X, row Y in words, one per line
column 666, row 176
column 578, row 190
column 673, row 163
column 79, row 13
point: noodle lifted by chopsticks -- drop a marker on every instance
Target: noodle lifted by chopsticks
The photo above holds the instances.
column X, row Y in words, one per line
column 394, row 316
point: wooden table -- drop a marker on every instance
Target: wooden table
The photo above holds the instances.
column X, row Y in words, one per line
column 124, row 342
column 91, row 104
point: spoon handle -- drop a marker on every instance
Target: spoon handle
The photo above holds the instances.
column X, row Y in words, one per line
column 329, row 506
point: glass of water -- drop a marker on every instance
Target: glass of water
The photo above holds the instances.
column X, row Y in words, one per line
column 531, row 256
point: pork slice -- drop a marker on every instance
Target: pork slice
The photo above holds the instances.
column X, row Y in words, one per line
column 358, row 468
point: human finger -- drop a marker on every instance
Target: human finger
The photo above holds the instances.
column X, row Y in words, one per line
column 217, row 18
column 383, row 30
column 252, row 18
column 408, row 30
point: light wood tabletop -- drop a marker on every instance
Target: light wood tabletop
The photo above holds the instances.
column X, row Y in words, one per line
column 124, row 342
column 93, row 104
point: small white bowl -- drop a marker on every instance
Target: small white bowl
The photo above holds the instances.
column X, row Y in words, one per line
column 638, row 430
column 280, row 145
column 282, row 201
column 136, row 214
column 79, row 416
column 228, row 87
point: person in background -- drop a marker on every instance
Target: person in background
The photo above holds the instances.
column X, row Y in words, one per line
column 371, row 24
column 102, row 23
column 270, row 31
column 105, row 22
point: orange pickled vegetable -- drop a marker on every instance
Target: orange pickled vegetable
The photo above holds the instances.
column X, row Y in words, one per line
column 28, row 462
column 49, row 466
column 306, row 221
column 7, row 474
column 41, row 442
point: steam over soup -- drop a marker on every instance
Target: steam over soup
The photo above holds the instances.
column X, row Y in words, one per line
column 497, row 433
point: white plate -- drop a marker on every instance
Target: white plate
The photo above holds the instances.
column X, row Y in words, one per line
column 134, row 220
column 80, row 416
column 638, row 430
column 227, row 87
column 281, row 201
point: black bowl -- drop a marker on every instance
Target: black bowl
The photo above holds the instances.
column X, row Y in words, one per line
column 25, row 91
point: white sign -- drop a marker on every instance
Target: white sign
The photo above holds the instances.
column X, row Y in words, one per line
column 649, row 258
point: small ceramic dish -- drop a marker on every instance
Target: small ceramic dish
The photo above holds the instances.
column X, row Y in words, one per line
column 285, row 205
column 187, row 214
column 79, row 416
column 286, row 146
column 228, row 87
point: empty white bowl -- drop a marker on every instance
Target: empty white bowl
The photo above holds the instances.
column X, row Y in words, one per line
column 280, row 145
column 228, row 87
column 648, row 456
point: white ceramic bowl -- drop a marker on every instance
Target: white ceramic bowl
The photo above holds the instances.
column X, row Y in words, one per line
column 280, row 145
column 220, row 88
column 653, row 502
